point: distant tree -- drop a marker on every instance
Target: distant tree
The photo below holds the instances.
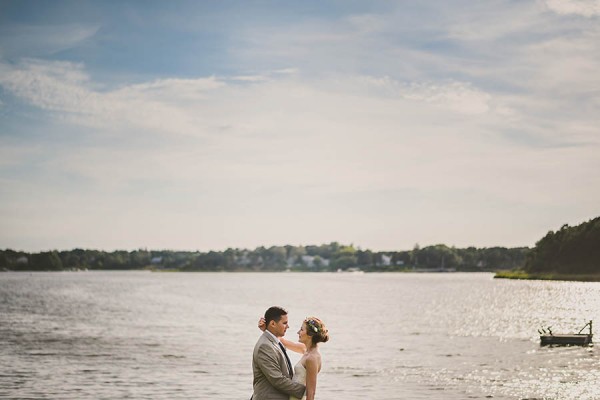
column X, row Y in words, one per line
column 377, row 258
column 364, row 258
column 438, row 256
column 401, row 257
column 568, row 250
column 577, row 245
column 124, row 260
column 344, row 262
column 318, row 263
column 4, row 263
column 414, row 255
column 229, row 259
column 275, row 258
column 46, row 261
column 327, row 251
column 70, row 260
column 139, row 258
column 312, row 250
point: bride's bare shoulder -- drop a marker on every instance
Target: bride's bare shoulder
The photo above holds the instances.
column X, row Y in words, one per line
column 313, row 361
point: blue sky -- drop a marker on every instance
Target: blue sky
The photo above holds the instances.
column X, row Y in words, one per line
column 214, row 124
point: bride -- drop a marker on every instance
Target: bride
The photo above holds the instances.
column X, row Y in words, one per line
column 312, row 332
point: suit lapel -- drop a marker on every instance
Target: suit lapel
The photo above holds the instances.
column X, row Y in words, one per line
column 275, row 344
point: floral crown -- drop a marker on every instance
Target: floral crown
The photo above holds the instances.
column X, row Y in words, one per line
column 312, row 325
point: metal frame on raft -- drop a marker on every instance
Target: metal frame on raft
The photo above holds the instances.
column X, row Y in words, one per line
column 574, row 339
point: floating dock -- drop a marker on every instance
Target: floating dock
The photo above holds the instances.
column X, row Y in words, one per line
column 565, row 340
column 575, row 339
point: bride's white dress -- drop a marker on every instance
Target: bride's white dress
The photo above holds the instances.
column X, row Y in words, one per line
column 299, row 376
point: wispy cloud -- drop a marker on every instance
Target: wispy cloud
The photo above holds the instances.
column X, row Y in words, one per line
column 586, row 8
column 18, row 40
column 352, row 135
column 184, row 104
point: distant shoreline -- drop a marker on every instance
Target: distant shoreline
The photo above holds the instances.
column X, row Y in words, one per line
column 547, row 276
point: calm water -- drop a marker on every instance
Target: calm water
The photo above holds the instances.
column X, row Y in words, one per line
column 141, row 335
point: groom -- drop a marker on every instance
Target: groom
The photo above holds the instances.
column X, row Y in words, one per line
column 270, row 364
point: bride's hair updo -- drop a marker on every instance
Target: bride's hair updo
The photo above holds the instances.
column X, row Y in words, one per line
column 315, row 328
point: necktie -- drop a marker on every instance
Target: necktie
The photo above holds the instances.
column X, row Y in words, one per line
column 287, row 360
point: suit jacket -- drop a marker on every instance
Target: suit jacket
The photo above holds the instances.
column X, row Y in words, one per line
column 272, row 379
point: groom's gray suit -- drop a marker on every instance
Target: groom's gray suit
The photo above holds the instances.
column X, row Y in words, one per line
column 271, row 377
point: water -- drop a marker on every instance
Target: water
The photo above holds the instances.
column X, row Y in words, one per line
column 141, row 335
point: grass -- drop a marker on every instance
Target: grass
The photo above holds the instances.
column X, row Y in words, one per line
column 548, row 276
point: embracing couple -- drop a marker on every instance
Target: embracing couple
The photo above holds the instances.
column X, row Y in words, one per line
column 274, row 377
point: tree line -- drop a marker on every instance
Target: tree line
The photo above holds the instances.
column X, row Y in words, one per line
column 570, row 250
column 326, row 257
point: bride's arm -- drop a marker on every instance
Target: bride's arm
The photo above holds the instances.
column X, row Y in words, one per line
column 312, row 369
column 296, row 347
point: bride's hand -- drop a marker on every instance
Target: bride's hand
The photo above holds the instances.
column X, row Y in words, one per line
column 261, row 324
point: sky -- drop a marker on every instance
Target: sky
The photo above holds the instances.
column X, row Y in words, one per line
column 204, row 125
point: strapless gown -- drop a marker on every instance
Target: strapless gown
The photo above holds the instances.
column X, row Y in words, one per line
column 299, row 376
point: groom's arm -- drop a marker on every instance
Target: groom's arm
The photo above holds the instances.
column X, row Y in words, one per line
column 269, row 365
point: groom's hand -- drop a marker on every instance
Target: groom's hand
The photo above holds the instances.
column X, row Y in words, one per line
column 262, row 325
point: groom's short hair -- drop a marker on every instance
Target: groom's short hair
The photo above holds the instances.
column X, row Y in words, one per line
column 274, row 314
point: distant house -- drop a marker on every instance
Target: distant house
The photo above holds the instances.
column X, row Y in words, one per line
column 309, row 261
column 156, row 260
column 386, row 260
column 242, row 260
column 22, row 260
